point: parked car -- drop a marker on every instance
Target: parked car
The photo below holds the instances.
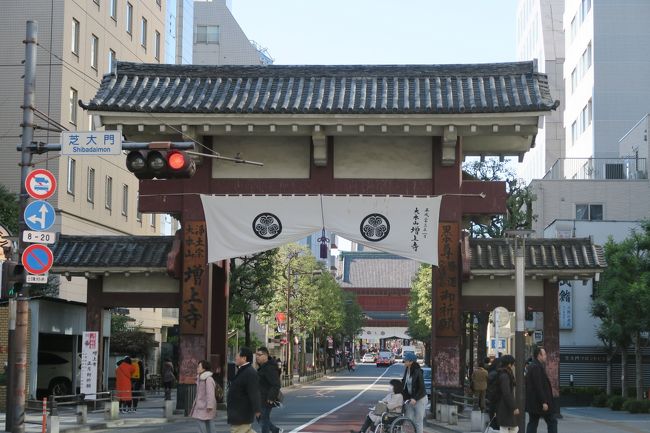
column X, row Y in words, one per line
column 54, row 374
column 426, row 373
column 369, row 357
column 385, row 359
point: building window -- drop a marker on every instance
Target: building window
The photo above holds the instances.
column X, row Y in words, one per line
column 72, row 168
column 138, row 214
column 574, row 80
column 207, row 35
column 111, row 60
column 108, row 192
column 143, row 35
column 94, row 51
column 159, row 3
column 73, row 106
column 152, row 221
column 589, row 212
column 91, row 185
column 113, row 9
column 125, row 199
column 574, row 133
column 589, row 113
column 75, row 37
column 156, row 43
column 129, row 18
column 96, row 2
column 574, row 28
column 585, row 6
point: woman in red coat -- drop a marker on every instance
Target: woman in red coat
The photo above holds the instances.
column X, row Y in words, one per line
column 123, row 374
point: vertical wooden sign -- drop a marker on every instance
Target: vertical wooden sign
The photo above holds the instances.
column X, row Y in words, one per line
column 447, row 314
column 194, row 283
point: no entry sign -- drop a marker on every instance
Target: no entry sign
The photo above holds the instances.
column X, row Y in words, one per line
column 40, row 184
column 37, row 259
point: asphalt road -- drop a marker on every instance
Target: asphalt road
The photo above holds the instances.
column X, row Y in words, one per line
column 337, row 403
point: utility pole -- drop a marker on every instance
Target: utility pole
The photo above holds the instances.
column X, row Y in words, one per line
column 519, row 237
column 18, row 344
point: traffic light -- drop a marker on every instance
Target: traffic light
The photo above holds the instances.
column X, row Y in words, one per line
column 160, row 164
column 13, row 277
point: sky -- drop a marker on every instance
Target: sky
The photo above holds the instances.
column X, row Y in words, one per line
column 381, row 31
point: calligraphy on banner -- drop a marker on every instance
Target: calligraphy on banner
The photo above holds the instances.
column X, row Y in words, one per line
column 89, row 358
column 447, row 316
column 194, row 279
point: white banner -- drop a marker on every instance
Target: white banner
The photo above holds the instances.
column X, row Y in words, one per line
column 89, row 358
column 243, row 225
column 405, row 226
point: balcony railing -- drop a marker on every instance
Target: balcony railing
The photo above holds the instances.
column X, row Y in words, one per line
column 598, row 169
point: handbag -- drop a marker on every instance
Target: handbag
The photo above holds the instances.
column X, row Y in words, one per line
column 380, row 408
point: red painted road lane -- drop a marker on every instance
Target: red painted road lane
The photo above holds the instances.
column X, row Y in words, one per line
column 348, row 417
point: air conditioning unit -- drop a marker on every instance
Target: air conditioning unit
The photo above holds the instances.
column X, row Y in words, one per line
column 615, row 171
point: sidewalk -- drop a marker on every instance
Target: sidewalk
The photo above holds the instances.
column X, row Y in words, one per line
column 574, row 420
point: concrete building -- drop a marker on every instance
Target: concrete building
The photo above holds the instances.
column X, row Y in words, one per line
column 78, row 43
column 604, row 99
column 179, row 22
column 219, row 40
column 540, row 37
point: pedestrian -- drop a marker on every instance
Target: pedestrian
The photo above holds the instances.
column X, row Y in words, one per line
column 269, row 389
column 393, row 401
column 507, row 410
column 123, row 374
column 204, row 408
column 480, row 382
column 243, row 398
column 492, row 393
column 414, row 391
column 539, row 394
column 137, row 380
column 168, row 378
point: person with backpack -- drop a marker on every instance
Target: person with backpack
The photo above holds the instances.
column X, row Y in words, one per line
column 168, row 378
column 539, row 394
column 269, row 389
column 414, row 391
column 204, row 408
column 507, row 410
column 480, row 383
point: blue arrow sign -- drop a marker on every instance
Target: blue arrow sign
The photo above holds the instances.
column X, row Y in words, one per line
column 39, row 215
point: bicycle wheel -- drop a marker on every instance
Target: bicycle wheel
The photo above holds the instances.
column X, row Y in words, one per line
column 402, row 425
column 380, row 428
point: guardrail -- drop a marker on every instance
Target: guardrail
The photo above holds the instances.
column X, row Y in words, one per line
column 598, row 169
column 448, row 405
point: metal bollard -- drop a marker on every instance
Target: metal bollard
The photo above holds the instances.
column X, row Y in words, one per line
column 476, row 419
column 53, row 424
column 82, row 414
column 444, row 412
column 44, row 427
column 439, row 411
column 453, row 414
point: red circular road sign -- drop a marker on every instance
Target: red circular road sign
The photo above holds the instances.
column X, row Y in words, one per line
column 37, row 259
column 40, row 184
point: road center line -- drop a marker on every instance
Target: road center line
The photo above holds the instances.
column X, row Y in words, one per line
column 318, row 418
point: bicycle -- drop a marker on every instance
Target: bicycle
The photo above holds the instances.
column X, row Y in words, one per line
column 392, row 422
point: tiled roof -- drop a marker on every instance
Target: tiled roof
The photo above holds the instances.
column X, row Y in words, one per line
column 573, row 254
column 103, row 252
column 377, row 270
column 352, row 89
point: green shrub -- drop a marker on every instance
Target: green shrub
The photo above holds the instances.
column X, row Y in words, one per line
column 600, row 400
column 616, row 402
column 636, row 406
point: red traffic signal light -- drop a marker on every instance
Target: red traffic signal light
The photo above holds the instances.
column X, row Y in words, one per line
column 160, row 164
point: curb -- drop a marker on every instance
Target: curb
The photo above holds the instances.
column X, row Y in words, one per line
column 118, row 423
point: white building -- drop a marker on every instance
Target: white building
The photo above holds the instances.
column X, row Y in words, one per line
column 540, row 37
column 219, row 40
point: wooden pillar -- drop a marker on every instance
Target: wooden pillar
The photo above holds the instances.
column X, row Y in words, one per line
column 94, row 315
column 219, row 318
column 552, row 334
column 481, row 340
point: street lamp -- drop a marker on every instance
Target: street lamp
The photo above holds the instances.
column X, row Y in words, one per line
column 519, row 237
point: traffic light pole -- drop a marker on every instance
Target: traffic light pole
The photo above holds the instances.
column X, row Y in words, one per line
column 18, row 344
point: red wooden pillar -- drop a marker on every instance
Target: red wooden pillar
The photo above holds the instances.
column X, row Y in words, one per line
column 94, row 314
column 219, row 318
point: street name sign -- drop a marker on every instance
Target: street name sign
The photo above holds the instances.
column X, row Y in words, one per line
column 37, row 259
column 40, row 184
column 34, row 237
column 36, row 279
column 89, row 143
column 39, row 215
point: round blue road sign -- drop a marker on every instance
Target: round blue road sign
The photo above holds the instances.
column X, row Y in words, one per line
column 39, row 215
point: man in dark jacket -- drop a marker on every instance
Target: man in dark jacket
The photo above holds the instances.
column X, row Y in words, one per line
column 507, row 411
column 243, row 394
column 269, row 389
column 414, row 392
column 539, row 394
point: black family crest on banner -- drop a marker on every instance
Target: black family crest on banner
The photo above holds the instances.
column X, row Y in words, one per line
column 375, row 227
column 267, row 226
